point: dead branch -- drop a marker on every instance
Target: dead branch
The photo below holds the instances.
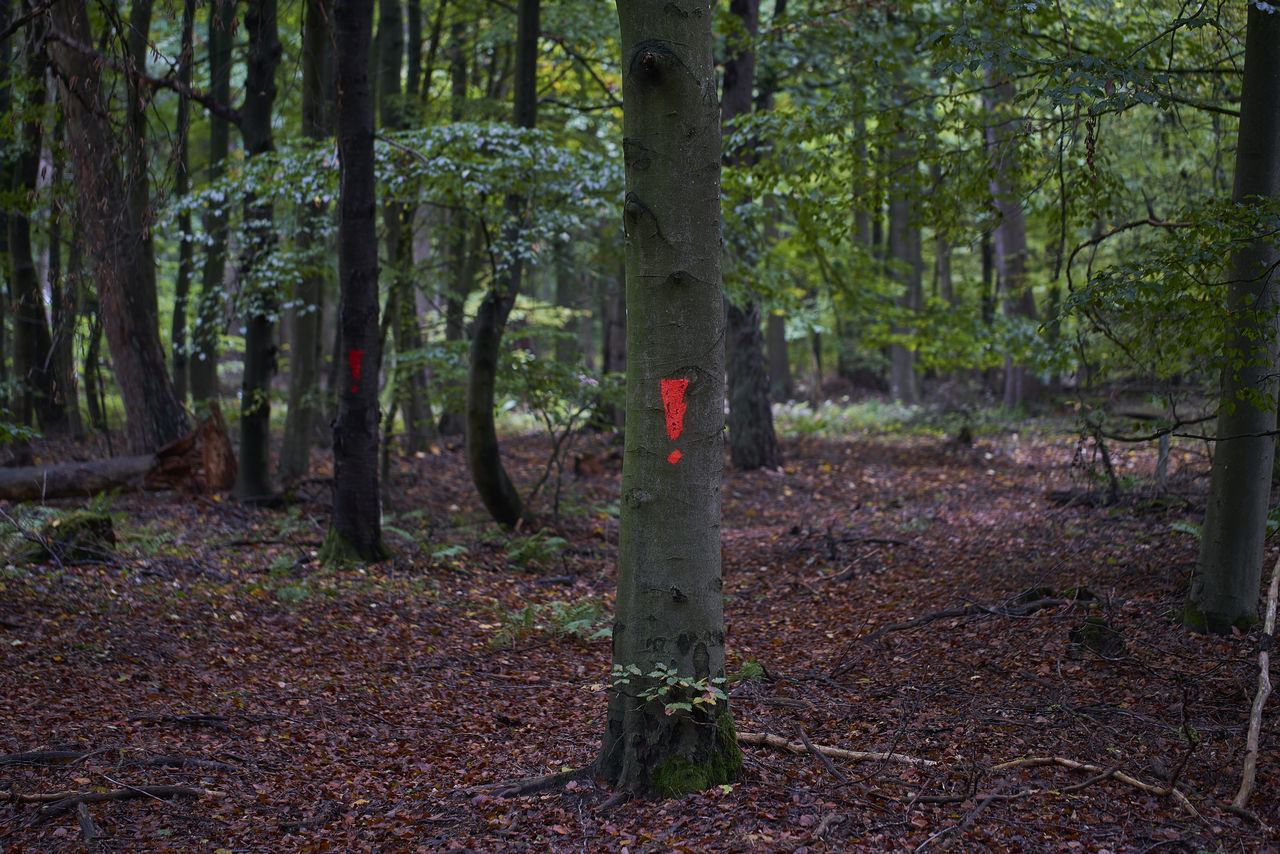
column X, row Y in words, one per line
column 156, row 792
column 42, row 757
column 1134, row 782
column 763, row 739
column 1264, row 691
column 531, row 786
column 820, row 756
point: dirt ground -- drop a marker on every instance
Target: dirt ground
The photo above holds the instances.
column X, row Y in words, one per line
column 1004, row 649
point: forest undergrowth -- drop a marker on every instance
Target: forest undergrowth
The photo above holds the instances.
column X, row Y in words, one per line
column 1003, row 648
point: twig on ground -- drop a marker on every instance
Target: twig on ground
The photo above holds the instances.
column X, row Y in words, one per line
column 1150, row 788
column 1264, row 691
column 820, row 756
column 531, row 786
column 158, row 792
column 763, row 739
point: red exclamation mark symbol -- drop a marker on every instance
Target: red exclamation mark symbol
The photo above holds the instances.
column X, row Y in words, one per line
column 355, row 358
column 674, row 406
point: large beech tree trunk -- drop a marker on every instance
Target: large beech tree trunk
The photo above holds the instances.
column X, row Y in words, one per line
column 1224, row 589
column 355, row 532
column 112, row 233
column 670, row 600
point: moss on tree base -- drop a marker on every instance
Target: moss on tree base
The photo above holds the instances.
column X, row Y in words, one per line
column 676, row 776
column 338, row 551
column 1202, row 623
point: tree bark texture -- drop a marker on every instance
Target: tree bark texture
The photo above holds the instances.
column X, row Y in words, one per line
column 463, row 242
column 112, row 234
column 905, row 250
column 182, row 185
column 670, row 599
column 487, row 472
column 261, row 301
column 1224, row 589
column 355, row 532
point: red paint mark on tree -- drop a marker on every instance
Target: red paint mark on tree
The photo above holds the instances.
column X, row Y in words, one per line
column 355, row 358
column 674, row 405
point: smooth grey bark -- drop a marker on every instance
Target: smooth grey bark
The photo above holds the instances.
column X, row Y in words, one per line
column 753, row 443
column 905, row 252
column 1010, row 237
column 1224, row 589
column 355, row 531
column 203, row 369
column 492, row 483
column 112, row 235
column 670, row 600
column 253, row 478
column 305, row 347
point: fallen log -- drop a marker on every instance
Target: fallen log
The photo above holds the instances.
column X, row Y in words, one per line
column 75, row 480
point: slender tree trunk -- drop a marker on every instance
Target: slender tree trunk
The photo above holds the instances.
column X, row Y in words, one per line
column 613, row 350
column 182, row 286
column 1010, row 239
column 203, row 369
column 753, row 443
column 253, row 480
column 355, row 532
column 6, row 177
column 304, row 356
column 905, row 250
column 1224, row 589
column 670, row 599
column 64, row 305
column 33, row 343
column 487, row 472
column 113, row 235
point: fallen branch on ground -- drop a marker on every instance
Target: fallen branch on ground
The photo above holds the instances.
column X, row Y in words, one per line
column 763, row 739
column 74, row 799
column 531, row 786
column 1114, row 774
column 1264, row 691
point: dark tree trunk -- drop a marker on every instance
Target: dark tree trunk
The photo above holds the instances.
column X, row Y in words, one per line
column 490, row 477
column 125, row 278
column 203, row 369
column 670, row 603
column 355, row 532
column 304, row 354
column 613, row 348
column 182, row 286
column 33, row 343
column 253, row 482
column 753, row 443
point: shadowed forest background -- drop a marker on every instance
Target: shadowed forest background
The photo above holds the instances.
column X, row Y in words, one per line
column 316, row 377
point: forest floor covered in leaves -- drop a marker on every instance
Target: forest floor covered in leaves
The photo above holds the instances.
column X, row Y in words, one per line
column 903, row 595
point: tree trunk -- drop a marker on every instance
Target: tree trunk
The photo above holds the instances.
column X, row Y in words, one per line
column 670, row 600
column 125, row 278
column 205, row 332
column 355, row 532
column 613, row 349
column 905, row 250
column 1010, row 239
column 1224, row 590
column 182, row 185
column 253, row 482
column 33, row 343
column 304, row 354
column 753, row 443
column 491, row 480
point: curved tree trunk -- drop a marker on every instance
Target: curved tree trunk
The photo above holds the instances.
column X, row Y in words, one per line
column 670, row 600
column 355, row 532
column 1224, row 590
column 487, row 472
column 112, row 234
column 182, row 286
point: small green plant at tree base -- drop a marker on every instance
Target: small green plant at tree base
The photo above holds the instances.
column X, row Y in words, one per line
column 679, row 695
column 583, row 618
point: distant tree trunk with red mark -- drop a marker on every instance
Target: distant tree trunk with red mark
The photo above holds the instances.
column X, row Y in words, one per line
column 670, row 610
column 355, row 532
